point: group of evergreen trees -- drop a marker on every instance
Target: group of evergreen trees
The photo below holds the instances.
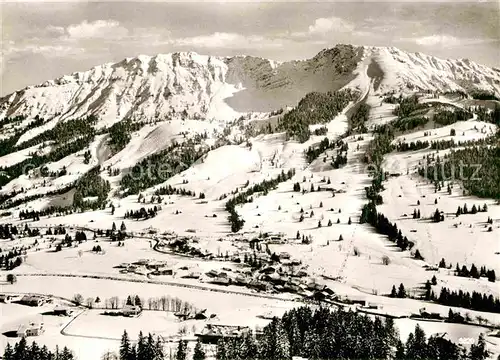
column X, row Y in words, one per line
column 11, row 259
column 412, row 146
column 399, row 293
column 483, row 95
column 313, row 152
column 9, row 145
column 119, row 133
column 326, row 334
column 170, row 190
column 146, row 348
column 359, row 117
column 7, row 231
column 473, row 210
column 446, row 117
column 142, row 213
column 477, row 167
column 474, row 301
column 160, row 166
column 91, row 185
column 384, row 226
column 56, row 153
column 314, row 108
column 341, row 157
column 22, row 351
column 474, row 273
column 243, row 197
column 410, row 123
column 406, row 106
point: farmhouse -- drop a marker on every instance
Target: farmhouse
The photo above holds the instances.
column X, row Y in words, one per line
column 213, row 332
column 62, row 311
column 7, row 298
column 164, row 270
column 32, row 300
column 131, row 310
column 32, row 329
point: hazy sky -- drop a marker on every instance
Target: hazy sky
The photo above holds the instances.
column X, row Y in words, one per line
column 42, row 40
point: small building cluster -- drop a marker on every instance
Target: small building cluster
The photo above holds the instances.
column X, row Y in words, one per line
column 212, row 333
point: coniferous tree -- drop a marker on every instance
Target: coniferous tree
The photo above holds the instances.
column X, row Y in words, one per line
column 199, row 353
column 401, row 291
column 181, row 353
column 8, row 352
column 478, row 350
column 125, row 345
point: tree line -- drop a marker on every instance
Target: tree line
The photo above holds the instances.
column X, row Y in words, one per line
column 265, row 186
column 314, row 108
column 327, row 334
column 22, row 351
column 469, row 165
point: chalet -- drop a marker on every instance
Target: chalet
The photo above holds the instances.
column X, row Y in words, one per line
column 268, row 270
column 156, row 265
column 198, row 315
column 212, row 333
column 192, row 275
column 284, row 256
column 32, row 329
column 429, row 315
column 241, row 280
column 163, row 271
column 7, row 298
column 221, row 280
column 62, row 311
column 32, row 300
column 131, row 310
column 212, row 273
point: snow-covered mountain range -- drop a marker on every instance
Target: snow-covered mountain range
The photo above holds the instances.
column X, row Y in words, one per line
column 189, row 85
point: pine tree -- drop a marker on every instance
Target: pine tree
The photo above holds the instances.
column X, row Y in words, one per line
column 8, row 353
column 113, row 227
column 66, row 354
column 400, row 351
column 394, row 292
column 434, row 280
column 221, row 352
column 181, row 353
column 401, row 291
column 473, row 272
column 123, row 227
column 141, row 348
column 478, row 350
column 125, row 345
column 199, row 354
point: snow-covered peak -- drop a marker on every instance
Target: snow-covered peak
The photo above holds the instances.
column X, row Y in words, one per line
column 405, row 70
column 187, row 84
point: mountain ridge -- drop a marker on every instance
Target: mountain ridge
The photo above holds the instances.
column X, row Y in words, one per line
column 190, row 85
